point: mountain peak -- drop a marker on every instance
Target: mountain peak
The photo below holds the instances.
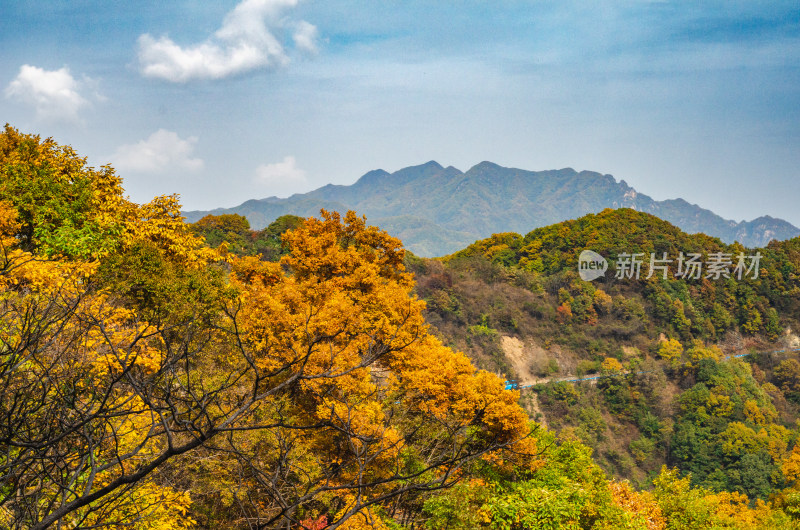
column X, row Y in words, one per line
column 568, row 172
column 486, row 166
column 408, row 174
column 373, row 177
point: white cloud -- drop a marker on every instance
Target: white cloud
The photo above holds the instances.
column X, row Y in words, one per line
column 246, row 41
column 305, row 37
column 55, row 94
column 281, row 178
column 161, row 151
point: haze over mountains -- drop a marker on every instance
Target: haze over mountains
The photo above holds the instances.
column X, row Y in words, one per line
column 438, row 210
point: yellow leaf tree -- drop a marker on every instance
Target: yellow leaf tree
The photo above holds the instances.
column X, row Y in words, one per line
column 299, row 390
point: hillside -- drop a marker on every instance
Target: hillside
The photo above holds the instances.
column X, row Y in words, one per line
column 700, row 374
column 667, row 393
column 436, row 210
column 155, row 374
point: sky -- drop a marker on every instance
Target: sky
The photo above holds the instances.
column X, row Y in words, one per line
column 225, row 101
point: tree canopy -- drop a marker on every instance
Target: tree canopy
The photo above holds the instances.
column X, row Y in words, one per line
column 160, row 375
column 142, row 372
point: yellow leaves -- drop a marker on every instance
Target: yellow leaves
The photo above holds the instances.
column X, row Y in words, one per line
column 719, row 405
column 670, row 350
column 641, row 506
column 148, row 506
column 443, row 383
column 602, row 301
column 362, row 419
column 494, row 246
column 9, row 226
column 345, row 296
column 6, row 517
column 687, row 507
column 330, row 248
column 791, row 465
column 109, row 202
column 364, row 519
column 131, row 432
column 611, row 365
column 338, row 313
column 499, row 407
column 19, row 268
column 170, row 508
column 753, row 413
column 66, row 207
column 22, row 269
column 119, row 342
column 326, row 354
column 731, row 509
column 432, row 376
column 698, row 352
column 104, row 336
column 778, row 438
column 322, row 366
column 71, row 209
column 739, row 439
column 255, row 272
column 30, row 150
column 159, row 221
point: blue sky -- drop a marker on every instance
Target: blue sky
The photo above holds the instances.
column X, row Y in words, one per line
column 227, row 101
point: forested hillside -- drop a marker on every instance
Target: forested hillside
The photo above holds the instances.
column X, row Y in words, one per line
column 668, row 393
column 160, row 375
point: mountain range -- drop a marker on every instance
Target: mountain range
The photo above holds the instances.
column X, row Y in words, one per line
column 438, row 210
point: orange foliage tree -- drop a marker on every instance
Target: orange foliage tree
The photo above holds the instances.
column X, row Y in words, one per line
column 308, row 389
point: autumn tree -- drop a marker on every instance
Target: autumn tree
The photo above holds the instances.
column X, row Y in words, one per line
column 308, row 389
column 373, row 391
column 234, row 232
column 62, row 205
column 670, row 350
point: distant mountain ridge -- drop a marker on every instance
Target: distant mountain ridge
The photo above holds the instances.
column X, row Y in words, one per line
column 438, row 210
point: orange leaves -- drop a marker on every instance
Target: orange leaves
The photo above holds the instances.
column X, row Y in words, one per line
column 328, row 249
column 116, row 341
column 443, row 383
column 364, row 519
column 255, row 273
column 316, row 375
column 791, row 465
column 9, row 226
column 343, row 298
column 337, row 315
column 433, row 377
column 319, row 370
column 641, row 506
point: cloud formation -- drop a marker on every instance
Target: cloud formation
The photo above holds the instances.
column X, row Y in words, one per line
column 246, row 41
column 55, row 94
column 281, row 178
column 305, row 37
column 161, row 151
